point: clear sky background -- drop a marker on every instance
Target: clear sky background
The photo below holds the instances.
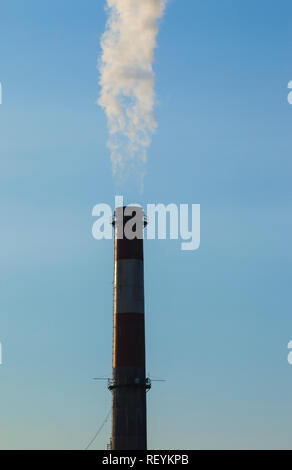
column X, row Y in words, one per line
column 219, row 319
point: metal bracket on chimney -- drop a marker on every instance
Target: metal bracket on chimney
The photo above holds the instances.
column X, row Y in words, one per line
column 136, row 383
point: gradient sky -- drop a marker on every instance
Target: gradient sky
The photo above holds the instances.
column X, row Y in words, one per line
column 218, row 319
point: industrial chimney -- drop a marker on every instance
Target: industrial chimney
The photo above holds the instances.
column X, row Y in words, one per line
column 129, row 383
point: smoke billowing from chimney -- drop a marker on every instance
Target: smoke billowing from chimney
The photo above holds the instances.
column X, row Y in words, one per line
column 127, row 80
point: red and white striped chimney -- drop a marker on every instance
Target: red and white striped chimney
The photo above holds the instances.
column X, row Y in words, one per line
column 129, row 384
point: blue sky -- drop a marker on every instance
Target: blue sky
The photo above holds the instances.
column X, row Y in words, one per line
column 218, row 319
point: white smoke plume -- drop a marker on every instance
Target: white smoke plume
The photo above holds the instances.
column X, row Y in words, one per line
column 127, row 79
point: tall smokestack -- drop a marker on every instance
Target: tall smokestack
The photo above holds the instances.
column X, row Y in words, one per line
column 129, row 384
